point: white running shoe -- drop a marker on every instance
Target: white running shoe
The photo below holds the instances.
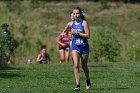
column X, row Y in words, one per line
column 77, row 88
column 88, row 85
column 60, row 62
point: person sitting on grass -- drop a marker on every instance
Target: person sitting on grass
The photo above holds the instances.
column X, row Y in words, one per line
column 43, row 57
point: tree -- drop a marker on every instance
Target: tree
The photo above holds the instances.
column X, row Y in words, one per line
column 7, row 44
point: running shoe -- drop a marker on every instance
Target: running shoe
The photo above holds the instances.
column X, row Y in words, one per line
column 77, row 88
column 88, row 84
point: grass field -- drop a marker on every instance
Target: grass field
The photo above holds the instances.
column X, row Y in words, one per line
column 32, row 24
column 58, row 78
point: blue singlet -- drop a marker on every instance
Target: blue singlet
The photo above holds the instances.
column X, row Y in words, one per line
column 79, row 43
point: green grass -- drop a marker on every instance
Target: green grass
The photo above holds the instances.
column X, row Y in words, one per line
column 55, row 78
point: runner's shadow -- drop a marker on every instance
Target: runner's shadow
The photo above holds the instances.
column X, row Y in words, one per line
column 98, row 66
column 121, row 88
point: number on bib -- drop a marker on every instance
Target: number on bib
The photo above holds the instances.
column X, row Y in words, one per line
column 79, row 41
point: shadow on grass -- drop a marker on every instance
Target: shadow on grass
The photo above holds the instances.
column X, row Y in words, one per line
column 98, row 66
column 10, row 75
column 9, row 68
column 9, row 72
column 121, row 88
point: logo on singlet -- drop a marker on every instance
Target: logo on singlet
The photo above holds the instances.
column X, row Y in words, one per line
column 79, row 41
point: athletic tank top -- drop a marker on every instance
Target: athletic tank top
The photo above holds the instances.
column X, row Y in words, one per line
column 65, row 40
column 44, row 61
column 45, row 58
column 78, row 40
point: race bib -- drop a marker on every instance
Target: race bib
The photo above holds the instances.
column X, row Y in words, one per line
column 79, row 41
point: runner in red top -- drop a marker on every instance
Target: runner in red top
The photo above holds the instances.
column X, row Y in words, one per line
column 64, row 46
column 65, row 40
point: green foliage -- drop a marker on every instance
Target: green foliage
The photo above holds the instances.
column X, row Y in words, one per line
column 38, row 22
column 104, row 4
column 14, row 6
column 7, row 44
column 106, row 47
column 34, row 3
column 134, row 52
column 23, row 29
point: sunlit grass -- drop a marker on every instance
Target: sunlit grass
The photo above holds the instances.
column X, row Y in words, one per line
column 106, row 78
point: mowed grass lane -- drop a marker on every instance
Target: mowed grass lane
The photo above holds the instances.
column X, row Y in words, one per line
column 58, row 78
